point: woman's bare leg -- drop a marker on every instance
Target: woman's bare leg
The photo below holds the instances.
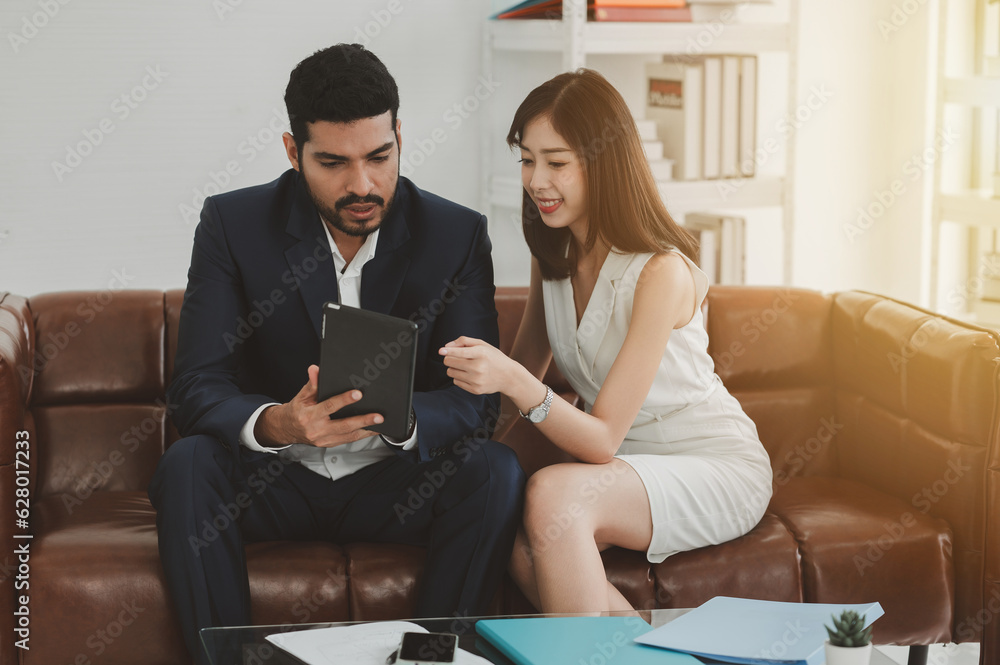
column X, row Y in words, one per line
column 572, row 511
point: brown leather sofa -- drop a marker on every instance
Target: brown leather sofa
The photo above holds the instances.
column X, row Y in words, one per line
column 881, row 421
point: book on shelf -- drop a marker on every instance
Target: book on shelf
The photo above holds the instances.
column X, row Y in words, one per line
column 729, row 144
column 653, row 150
column 674, row 103
column 604, row 10
column 748, row 116
column 661, row 168
column 711, row 157
column 990, row 289
column 705, row 109
column 549, row 9
column 642, row 14
column 639, row 3
column 722, row 245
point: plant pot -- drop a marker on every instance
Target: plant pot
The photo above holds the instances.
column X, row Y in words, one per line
column 847, row 655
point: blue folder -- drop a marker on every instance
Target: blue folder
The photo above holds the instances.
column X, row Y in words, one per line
column 571, row 640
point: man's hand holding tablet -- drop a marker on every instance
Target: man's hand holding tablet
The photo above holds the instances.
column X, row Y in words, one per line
column 304, row 420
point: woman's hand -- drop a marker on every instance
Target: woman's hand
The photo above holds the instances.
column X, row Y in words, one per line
column 479, row 367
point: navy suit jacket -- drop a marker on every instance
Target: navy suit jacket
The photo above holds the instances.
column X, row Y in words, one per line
column 261, row 270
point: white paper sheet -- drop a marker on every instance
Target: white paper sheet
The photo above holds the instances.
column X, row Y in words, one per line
column 361, row 644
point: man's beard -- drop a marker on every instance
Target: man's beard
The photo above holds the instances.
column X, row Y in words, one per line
column 333, row 216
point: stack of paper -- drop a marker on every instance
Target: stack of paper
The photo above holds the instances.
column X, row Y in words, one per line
column 738, row 630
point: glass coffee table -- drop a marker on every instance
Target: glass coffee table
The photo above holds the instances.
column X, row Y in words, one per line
column 246, row 645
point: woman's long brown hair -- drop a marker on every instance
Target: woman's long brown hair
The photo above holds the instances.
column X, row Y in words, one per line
column 624, row 206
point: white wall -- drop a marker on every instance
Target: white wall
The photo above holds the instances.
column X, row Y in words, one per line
column 857, row 152
column 223, row 76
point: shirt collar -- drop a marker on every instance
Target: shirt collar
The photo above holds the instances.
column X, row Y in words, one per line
column 365, row 254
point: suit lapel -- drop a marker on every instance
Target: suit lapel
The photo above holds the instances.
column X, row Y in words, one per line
column 382, row 277
column 310, row 260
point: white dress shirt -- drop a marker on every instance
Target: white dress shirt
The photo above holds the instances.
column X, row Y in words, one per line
column 347, row 458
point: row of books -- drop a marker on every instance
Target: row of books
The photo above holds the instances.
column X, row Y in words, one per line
column 705, row 110
column 605, row 10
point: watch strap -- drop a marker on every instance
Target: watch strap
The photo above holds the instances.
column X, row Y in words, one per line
column 545, row 404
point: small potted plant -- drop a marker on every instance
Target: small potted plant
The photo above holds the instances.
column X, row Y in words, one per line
column 850, row 642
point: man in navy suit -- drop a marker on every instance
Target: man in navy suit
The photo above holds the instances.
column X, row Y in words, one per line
column 261, row 459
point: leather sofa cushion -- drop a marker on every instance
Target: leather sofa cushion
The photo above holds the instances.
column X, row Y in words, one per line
column 766, row 338
column 859, row 545
column 99, row 346
column 101, row 562
column 95, row 447
column 763, row 564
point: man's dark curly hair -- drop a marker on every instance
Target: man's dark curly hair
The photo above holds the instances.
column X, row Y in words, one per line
column 342, row 83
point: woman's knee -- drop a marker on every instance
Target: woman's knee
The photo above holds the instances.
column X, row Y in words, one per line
column 553, row 503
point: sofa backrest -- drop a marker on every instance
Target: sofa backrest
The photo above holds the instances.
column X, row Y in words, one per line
column 772, row 348
column 919, row 397
column 97, row 377
column 101, row 362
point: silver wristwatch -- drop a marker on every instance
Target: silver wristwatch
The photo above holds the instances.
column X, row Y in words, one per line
column 538, row 413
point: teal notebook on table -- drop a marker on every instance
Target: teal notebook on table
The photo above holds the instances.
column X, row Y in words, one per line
column 570, row 640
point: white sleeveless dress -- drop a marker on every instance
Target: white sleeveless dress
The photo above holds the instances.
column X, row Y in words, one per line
column 706, row 473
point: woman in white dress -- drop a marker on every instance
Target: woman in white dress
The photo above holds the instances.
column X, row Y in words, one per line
column 668, row 461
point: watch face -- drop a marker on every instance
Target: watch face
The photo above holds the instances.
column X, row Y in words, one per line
column 537, row 415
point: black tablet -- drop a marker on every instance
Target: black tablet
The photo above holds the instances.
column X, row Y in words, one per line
column 374, row 353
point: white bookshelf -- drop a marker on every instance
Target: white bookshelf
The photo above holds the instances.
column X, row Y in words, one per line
column 638, row 38
column 576, row 39
column 739, row 193
column 968, row 87
column 977, row 208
